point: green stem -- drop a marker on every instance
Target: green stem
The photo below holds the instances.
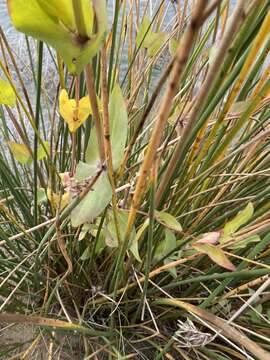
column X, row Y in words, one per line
column 39, row 77
column 79, row 18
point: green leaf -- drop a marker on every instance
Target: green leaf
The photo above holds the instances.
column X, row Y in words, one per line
column 92, row 153
column 41, row 195
column 86, row 254
column 7, row 94
column 54, row 23
column 168, row 220
column 84, row 230
column 155, row 42
column 172, row 271
column 41, row 153
column 94, row 202
column 166, row 246
column 84, row 171
column 216, row 254
column 240, row 219
column 20, row 152
column 118, row 131
column 242, row 244
column 173, row 45
column 111, row 235
column 118, row 126
column 143, row 32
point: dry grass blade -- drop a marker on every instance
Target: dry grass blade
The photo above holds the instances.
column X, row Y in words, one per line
column 221, row 325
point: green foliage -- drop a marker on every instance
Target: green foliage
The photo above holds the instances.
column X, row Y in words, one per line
column 55, row 24
column 78, row 245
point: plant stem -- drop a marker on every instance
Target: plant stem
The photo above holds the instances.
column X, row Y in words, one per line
column 94, row 104
column 107, row 141
column 40, row 58
column 79, row 18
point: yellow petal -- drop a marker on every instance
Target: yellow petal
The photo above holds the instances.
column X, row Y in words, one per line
column 74, row 116
column 55, row 198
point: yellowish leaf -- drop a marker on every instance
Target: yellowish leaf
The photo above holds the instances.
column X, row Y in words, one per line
column 7, row 94
column 216, row 254
column 55, row 199
column 74, row 115
column 20, row 152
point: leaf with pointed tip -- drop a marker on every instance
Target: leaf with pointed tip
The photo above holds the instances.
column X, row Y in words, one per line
column 168, row 220
column 54, row 23
column 86, row 254
column 216, row 254
column 7, row 94
column 118, row 125
column 20, row 152
column 118, row 131
column 143, row 31
column 41, row 153
column 84, row 171
column 41, row 195
column 111, row 238
column 93, row 203
column 233, row 225
column 242, row 244
column 166, row 246
column 155, row 42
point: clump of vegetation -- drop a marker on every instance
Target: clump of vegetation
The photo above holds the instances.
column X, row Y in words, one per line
column 135, row 200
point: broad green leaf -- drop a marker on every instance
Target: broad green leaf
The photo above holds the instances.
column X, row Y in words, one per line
column 173, row 45
column 74, row 115
column 240, row 219
column 86, row 254
column 172, row 271
column 84, row 171
column 165, row 246
column 216, row 254
column 122, row 218
column 111, row 235
column 134, row 248
column 84, row 230
column 168, row 220
column 155, row 42
column 7, row 94
column 20, row 152
column 143, row 31
column 41, row 153
column 41, row 195
column 118, row 131
column 60, row 10
column 141, row 230
column 118, row 126
column 100, row 246
column 53, row 22
column 242, row 244
column 92, row 152
column 94, row 202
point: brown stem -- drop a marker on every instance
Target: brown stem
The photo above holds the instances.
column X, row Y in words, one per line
column 94, row 104
column 177, row 71
column 202, row 96
column 107, row 140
